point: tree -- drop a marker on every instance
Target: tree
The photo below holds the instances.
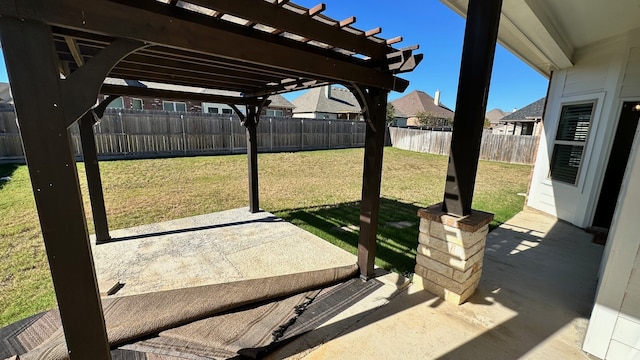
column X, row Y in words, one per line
column 487, row 123
column 431, row 120
column 390, row 114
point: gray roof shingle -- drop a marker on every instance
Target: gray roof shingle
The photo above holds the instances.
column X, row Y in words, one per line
column 533, row 110
column 316, row 100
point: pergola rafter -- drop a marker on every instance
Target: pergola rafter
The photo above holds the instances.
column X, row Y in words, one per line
column 59, row 52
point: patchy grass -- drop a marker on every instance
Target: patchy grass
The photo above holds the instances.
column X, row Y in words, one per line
column 316, row 190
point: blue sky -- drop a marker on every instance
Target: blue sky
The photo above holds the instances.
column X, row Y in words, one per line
column 439, row 32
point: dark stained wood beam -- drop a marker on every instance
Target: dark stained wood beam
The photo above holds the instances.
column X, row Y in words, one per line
column 316, row 10
column 251, row 124
column 94, row 180
column 177, row 80
column 75, row 50
column 374, row 102
column 277, row 17
column 33, row 73
column 169, row 63
column 80, row 89
column 394, row 40
column 156, row 23
column 481, row 33
column 346, row 22
column 373, row 32
column 175, row 95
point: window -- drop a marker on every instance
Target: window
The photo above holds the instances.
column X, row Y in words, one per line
column 569, row 145
column 174, row 106
column 212, row 110
column 227, row 111
column 116, row 104
column 276, row 113
column 136, row 104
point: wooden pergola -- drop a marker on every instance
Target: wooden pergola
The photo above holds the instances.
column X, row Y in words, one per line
column 58, row 53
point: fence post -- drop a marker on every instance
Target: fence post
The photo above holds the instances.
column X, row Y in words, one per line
column 301, row 134
column 184, row 135
column 271, row 134
column 329, row 133
column 352, row 134
column 231, row 142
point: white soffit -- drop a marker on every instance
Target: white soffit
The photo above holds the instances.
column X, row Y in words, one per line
column 545, row 33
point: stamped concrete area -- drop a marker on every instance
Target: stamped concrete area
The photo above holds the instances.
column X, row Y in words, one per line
column 207, row 249
column 533, row 302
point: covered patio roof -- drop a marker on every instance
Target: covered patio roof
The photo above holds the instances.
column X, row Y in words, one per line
column 546, row 34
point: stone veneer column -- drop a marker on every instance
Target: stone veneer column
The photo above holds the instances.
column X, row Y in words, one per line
column 450, row 252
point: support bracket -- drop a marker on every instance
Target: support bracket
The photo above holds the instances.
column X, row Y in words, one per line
column 80, row 90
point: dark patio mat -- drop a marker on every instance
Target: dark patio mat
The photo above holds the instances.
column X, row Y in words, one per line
column 181, row 323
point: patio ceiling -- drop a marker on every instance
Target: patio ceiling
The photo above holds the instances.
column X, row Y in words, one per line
column 546, row 33
column 272, row 46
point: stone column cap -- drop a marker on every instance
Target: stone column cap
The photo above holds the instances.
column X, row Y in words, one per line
column 471, row 223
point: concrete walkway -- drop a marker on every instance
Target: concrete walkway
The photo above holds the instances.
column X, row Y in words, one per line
column 533, row 302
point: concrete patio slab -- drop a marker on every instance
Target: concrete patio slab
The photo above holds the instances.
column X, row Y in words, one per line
column 207, row 249
column 533, row 303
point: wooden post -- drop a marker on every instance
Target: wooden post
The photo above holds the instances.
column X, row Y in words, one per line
column 94, row 181
column 376, row 105
column 478, row 51
column 251, row 124
column 35, row 83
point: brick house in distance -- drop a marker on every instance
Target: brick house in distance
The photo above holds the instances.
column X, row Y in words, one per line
column 279, row 106
column 417, row 102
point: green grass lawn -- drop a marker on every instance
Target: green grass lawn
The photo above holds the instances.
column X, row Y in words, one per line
column 317, row 191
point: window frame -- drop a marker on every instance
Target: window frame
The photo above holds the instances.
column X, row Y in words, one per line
column 174, row 105
column 133, row 100
column 597, row 99
column 275, row 112
column 119, row 99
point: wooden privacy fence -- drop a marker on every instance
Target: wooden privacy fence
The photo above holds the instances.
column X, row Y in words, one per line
column 506, row 148
column 135, row 134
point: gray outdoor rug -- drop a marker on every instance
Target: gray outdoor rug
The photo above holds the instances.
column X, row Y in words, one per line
column 221, row 321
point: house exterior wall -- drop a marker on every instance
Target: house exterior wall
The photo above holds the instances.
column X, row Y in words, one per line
column 315, row 115
column 596, row 76
column 607, row 73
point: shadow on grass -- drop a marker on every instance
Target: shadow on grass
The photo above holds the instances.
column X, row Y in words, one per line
column 338, row 224
column 6, row 170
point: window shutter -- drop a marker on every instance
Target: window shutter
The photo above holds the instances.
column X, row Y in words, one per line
column 573, row 129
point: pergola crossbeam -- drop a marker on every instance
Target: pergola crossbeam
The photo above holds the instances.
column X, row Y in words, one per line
column 176, row 95
column 156, row 23
column 299, row 24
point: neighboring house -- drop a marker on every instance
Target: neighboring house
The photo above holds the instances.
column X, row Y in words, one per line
column 587, row 170
column 5, row 94
column 327, row 102
column 399, row 119
column 526, row 121
column 6, row 100
column 494, row 117
column 417, row 102
column 279, row 106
